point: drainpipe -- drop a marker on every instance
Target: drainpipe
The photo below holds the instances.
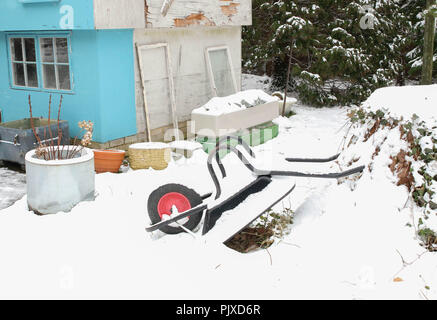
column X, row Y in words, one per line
column 1, row 115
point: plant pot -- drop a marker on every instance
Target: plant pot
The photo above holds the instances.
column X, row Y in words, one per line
column 108, row 160
column 58, row 185
column 155, row 155
column 210, row 125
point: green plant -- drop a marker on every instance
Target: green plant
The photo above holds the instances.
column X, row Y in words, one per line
column 263, row 232
column 429, row 238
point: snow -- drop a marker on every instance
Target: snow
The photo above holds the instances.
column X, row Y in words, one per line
column 251, row 81
column 149, row 145
column 83, row 155
column 346, row 241
column 12, row 187
column 351, row 238
column 185, row 145
column 406, row 101
column 236, row 102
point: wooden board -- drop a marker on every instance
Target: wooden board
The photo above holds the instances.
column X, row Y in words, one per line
column 154, row 74
column 189, row 13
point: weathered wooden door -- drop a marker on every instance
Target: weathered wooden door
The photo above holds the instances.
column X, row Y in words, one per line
column 158, row 87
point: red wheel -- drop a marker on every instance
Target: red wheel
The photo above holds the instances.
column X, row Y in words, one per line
column 168, row 200
column 165, row 198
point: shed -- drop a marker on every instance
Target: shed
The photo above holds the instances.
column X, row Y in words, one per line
column 133, row 67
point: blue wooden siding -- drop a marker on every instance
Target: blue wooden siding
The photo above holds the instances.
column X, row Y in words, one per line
column 16, row 15
column 116, row 83
column 102, row 66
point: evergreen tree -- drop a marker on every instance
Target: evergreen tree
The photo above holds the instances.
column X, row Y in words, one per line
column 342, row 50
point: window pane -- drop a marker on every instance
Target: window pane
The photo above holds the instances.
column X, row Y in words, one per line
column 61, row 50
column 32, row 75
column 64, row 77
column 18, row 71
column 16, row 49
column 46, row 49
column 222, row 72
column 49, row 76
column 29, row 45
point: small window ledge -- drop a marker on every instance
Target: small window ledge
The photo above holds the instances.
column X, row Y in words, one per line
column 37, row 1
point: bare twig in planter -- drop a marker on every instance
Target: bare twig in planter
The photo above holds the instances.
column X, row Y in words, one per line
column 86, row 140
column 59, row 130
column 51, row 145
column 41, row 151
column 32, row 124
column 50, row 151
column 69, row 152
column 43, row 146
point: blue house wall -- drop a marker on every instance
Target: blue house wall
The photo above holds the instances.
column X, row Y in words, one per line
column 117, row 111
column 103, row 88
column 18, row 15
column 101, row 62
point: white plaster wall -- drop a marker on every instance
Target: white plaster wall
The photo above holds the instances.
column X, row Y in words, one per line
column 199, row 12
column 119, row 14
column 192, row 85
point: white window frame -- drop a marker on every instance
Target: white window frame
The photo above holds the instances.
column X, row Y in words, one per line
column 55, row 62
column 37, row 38
column 210, row 71
column 166, row 47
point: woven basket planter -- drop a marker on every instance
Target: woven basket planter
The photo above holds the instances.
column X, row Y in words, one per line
column 149, row 155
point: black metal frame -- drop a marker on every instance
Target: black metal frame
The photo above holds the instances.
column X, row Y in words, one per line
column 215, row 155
column 263, row 178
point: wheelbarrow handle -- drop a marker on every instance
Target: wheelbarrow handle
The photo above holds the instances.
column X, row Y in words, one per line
column 258, row 172
column 225, row 141
column 313, row 160
column 334, row 175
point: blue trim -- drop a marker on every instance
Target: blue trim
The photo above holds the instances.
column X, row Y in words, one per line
column 37, row 1
column 37, row 36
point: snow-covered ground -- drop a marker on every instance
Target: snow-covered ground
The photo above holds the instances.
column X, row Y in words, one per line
column 12, row 186
column 349, row 240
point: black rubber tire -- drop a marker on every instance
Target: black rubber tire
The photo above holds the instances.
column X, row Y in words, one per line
column 192, row 196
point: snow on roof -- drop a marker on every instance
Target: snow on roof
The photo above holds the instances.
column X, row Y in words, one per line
column 406, row 101
column 236, row 102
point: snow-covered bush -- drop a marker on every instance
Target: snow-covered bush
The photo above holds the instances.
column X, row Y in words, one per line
column 406, row 146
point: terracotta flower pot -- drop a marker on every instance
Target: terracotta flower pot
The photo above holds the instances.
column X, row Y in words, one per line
column 108, row 160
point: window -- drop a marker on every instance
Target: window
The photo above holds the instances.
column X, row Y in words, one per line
column 221, row 73
column 23, row 58
column 40, row 62
column 54, row 61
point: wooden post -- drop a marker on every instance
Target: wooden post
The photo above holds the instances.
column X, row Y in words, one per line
column 288, row 79
column 146, row 107
column 428, row 46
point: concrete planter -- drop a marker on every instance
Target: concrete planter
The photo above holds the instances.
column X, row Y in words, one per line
column 58, row 185
column 229, row 123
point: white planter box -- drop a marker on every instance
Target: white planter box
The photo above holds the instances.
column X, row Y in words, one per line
column 58, row 185
column 221, row 125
